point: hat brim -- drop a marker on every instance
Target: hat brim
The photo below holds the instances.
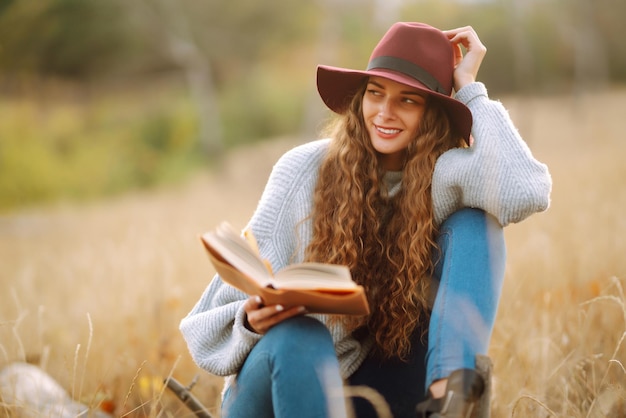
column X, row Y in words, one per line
column 336, row 86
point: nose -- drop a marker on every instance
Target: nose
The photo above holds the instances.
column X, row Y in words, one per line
column 385, row 111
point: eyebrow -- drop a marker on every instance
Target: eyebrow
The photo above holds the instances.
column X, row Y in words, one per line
column 411, row 92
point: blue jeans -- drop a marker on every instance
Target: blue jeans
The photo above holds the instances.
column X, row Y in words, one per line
column 293, row 370
column 470, row 274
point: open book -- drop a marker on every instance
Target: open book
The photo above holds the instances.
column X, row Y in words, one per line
column 321, row 288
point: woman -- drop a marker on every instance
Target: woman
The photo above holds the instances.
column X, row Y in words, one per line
column 389, row 195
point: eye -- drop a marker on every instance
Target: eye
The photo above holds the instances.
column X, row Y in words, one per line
column 417, row 100
column 374, row 92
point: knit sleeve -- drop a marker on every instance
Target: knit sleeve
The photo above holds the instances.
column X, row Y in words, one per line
column 498, row 173
column 215, row 330
column 286, row 202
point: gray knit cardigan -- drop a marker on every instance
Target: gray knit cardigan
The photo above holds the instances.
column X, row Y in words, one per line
column 497, row 173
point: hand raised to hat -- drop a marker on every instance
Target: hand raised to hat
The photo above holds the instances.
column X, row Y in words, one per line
column 466, row 67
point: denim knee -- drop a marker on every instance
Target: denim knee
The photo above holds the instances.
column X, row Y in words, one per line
column 469, row 217
column 471, row 228
column 298, row 333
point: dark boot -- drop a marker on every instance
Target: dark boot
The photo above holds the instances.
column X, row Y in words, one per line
column 463, row 392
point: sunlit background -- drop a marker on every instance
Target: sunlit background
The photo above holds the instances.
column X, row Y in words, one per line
column 99, row 98
column 127, row 128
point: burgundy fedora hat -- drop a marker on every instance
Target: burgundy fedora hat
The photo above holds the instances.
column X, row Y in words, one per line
column 414, row 54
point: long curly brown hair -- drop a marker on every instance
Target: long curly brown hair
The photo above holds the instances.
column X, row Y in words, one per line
column 387, row 242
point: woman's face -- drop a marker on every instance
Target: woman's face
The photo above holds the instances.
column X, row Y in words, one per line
column 392, row 112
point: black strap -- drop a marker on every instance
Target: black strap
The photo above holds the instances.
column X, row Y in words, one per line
column 408, row 68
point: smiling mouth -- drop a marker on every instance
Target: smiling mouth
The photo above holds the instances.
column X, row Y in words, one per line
column 388, row 131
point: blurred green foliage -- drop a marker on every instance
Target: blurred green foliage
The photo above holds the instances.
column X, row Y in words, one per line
column 242, row 70
column 83, row 149
column 68, row 38
column 262, row 105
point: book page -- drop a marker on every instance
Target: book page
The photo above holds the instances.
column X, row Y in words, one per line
column 237, row 252
column 314, row 276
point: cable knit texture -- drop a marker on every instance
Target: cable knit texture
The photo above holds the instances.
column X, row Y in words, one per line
column 497, row 174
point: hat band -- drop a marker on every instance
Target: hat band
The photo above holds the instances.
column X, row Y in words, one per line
column 408, row 68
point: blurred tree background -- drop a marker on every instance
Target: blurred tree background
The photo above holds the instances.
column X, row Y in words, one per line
column 101, row 97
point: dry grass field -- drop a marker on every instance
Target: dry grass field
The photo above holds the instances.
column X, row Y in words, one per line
column 94, row 293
